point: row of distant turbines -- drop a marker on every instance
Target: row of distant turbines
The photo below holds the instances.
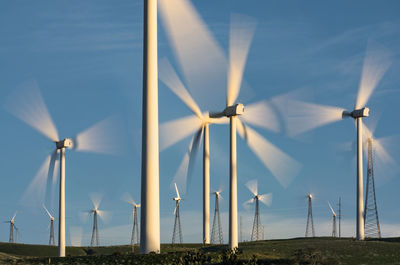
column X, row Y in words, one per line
column 198, row 54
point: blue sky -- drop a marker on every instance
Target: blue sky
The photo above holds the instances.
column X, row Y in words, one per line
column 86, row 58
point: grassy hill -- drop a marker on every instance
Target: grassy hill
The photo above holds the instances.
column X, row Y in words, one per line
column 289, row 251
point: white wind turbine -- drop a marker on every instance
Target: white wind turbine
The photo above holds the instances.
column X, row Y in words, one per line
column 12, row 228
column 177, row 224
column 307, row 116
column 51, row 239
column 176, row 130
column 216, row 234
column 334, row 233
column 135, row 228
column 201, row 58
column 258, row 229
column 95, row 241
column 28, row 105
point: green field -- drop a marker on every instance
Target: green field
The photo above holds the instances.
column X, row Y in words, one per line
column 289, row 251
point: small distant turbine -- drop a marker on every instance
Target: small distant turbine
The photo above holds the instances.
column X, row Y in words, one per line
column 216, row 233
column 310, row 221
column 177, row 235
column 334, row 233
column 12, row 228
column 257, row 232
column 135, row 229
column 95, row 241
column 51, row 239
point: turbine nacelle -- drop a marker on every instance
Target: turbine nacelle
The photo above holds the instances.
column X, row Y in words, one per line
column 237, row 109
column 309, row 196
column 66, row 143
column 358, row 113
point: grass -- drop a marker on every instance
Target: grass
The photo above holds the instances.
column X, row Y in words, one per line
column 321, row 250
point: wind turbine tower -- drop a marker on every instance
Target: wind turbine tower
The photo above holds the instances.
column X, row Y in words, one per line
column 334, row 233
column 216, row 234
column 12, row 228
column 95, row 231
column 310, row 232
column 177, row 235
column 340, row 216
column 51, row 239
column 371, row 224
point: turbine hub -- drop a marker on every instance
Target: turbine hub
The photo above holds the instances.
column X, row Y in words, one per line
column 234, row 110
column 358, row 113
column 309, row 196
column 66, row 143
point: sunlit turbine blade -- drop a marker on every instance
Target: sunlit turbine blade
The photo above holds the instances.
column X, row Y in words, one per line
column 241, row 35
column 47, row 211
column 252, row 186
column 194, row 148
column 304, row 116
column 105, row 216
column 282, row 166
column 177, row 192
column 198, row 53
column 76, row 236
column 172, row 132
column 128, row 198
column 96, row 200
column 170, row 78
column 28, row 105
column 330, row 206
column 103, row 137
column 266, row 199
column 376, row 63
column 176, row 206
column 35, row 193
column 247, row 203
column 262, row 115
column 15, row 214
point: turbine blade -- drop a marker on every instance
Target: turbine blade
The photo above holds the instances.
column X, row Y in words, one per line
column 27, row 104
column 76, row 236
column 176, row 206
column 262, row 115
column 241, row 35
column 246, row 204
column 128, row 198
column 266, row 199
column 304, row 116
column 15, row 214
column 177, row 192
column 330, row 206
column 252, row 186
column 376, row 63
column 103, row 137
column 96, row 200
column 282, row 166
column 172, row 132
column 47, row 211
column 36, row 191
column 171, row 80
column 193, row 154
column 196, row 50
column 105, row 216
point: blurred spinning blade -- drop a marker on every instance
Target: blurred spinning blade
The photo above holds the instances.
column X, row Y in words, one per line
column 128, row 198
column 376, row 63
column 96, row 200
column 266, row 199
column 252, row 186
column 177, row 192
column 333, row 212
column 28, row 105
column 241, row 35
column 283, row 167
column 246, row 204
column 262, row 115
column 172, row 132
column 103, row 137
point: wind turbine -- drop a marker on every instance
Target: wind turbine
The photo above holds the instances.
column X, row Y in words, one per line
column 201, row 59
column 216, row 233
column 334, row 233
column 12, row 228
column 28, row 105
column 257, row 232
column 308, row 116
column 176, row 130
column 51, row 239
column 135, row 228
column 94, row 242
column 310, row 219
column 177, row 223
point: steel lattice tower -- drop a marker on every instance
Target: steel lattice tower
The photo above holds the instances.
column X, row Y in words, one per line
column 177, row 235
column 334, row 232
column 371, row 220
column 258, row 232
column 51, row 240
column 340, row 216
column 216, row 233
column 135, row 228
column 95, row 231
column 310, row 221
column 11, row 240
